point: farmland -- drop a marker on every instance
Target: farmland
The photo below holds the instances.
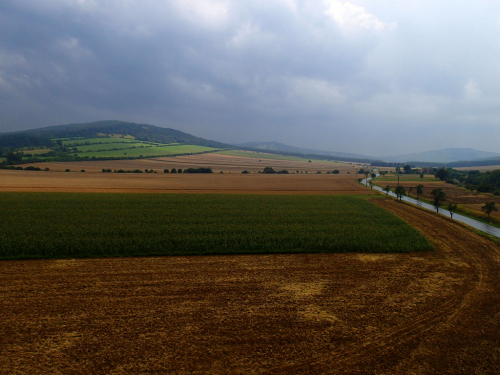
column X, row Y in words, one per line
column 414, row 313
column 306, row 181
column 83, row 225
column 135, row 151
column 420, row 312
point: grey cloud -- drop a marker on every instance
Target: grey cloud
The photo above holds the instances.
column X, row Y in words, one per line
column 269, row 70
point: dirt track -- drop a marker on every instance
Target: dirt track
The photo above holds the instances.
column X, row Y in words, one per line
column 277, row 314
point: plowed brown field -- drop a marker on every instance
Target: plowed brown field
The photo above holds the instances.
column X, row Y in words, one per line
column 276, row 314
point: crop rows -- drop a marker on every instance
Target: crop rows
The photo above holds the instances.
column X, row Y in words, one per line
column 46, row 225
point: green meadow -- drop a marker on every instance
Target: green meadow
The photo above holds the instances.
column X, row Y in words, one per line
column 142, row 150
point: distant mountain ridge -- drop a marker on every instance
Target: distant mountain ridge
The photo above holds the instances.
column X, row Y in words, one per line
column 276, row 146
column 447, row 155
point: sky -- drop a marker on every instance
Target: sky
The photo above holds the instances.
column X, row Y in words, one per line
column 369, row 77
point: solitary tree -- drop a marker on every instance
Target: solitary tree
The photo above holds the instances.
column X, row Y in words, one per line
column 407, row 169
column 374, row 175
column 439, row 197
column 387, row 190
column 420, row 190
column 371, row 184
column 399, row 191
column 452, row 207
column 489, row 208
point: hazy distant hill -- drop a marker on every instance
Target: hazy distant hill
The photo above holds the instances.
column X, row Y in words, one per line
column 143, row 132
column 276, row 146
column 447, row 155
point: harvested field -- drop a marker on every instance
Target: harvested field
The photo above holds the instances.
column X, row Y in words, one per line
column 231, row 181
column 422, row 313
column 175, row 183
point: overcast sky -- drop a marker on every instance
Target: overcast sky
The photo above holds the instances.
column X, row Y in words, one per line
column 372, row 77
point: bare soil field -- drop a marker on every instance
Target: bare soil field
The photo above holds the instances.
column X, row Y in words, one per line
column 425, row 313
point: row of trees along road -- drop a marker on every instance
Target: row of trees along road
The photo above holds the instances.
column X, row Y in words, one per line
column 439, row 197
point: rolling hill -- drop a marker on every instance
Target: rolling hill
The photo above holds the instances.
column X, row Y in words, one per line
column 142, row 132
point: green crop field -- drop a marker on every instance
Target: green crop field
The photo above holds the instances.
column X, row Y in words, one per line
column 99, row 140
column 93, row 225
column 147, row 151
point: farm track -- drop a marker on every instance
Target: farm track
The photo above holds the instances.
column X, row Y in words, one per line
column 425, row 313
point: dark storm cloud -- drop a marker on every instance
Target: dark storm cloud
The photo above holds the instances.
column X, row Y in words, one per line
column 359, row 77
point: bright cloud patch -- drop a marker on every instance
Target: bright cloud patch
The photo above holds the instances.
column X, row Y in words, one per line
column 208, row 12
column 350, row 14
column 471, row 89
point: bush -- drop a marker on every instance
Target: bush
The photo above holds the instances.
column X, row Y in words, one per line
column 166, row 171
column 173, row 170
column 67, row 170
column 335, row 171
column 83, row 170
column 198, row 170
column 245, row 172
column 31, row 168
column 106, row 170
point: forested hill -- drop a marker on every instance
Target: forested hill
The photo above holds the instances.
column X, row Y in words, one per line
column 143, row 132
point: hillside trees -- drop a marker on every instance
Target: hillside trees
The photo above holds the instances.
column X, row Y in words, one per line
column 442, row 174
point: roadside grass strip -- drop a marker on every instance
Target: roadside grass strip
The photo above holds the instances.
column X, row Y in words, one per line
column 62, row 225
